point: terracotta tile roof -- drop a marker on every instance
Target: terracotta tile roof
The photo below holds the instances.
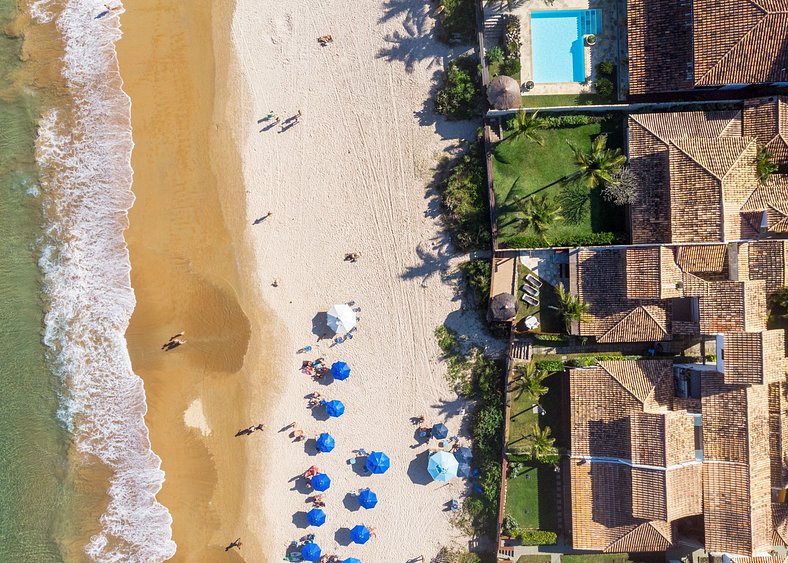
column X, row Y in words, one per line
column 650, row 536
column 754, row 357
column 639, row 325
column 768, row 261
column 766, row 119
column 740, row 41
column 648, row 381
column 702, row 259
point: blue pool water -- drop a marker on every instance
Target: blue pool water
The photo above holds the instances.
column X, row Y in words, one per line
column 557, row 43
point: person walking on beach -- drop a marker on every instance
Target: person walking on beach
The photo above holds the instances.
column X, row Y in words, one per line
column 263, row 218
column 298, row 117
column 237, row 543
column 172, row 344
column 172, row 339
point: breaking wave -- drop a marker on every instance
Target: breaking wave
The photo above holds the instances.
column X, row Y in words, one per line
column 84, row 151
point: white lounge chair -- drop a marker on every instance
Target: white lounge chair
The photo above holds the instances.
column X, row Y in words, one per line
column 530, row 300
column 533, row 280
column 530, row 290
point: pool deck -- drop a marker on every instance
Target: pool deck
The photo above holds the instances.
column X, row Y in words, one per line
column 606, row 47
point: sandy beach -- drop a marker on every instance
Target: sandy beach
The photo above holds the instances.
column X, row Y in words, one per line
column 350, row 176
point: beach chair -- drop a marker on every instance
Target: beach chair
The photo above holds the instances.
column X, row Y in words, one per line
column 530, row 290
column 530, row 300
column 533, row 280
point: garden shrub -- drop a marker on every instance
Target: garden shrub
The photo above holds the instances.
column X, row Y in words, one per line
column 458, row 16
column 510, row 524
column 549, row 337
column 511, row 67
column 478, row 274
column 582, row 362
column 605, row 68
column 460, row 97
column 528, row 536
column 511, row 39
column 447, row 339
column 588, row 239
column 558, row 121
column 550, row 365
column 464, row 197
column 604, row 87
column 494, row 55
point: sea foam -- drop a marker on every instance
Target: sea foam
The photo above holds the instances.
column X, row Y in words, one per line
column 84, row 151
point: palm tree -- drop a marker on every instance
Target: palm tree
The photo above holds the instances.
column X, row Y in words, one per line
column 599, row 166
column 538, row 214
column 528, row 380
column 526, row 125
column 571, row 307
column 542, row 443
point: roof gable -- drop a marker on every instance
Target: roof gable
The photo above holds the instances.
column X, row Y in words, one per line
column 644, row 379
column 650, row 536
column 637, row 326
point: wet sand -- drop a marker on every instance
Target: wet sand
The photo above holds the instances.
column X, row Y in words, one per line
column 185, row 273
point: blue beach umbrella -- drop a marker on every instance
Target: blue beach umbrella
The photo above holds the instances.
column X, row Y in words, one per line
column 440, row 431
column 378, row 462
column 463, row 454
column 340, row 370
column 442, row 466
column 367, row 499
column 335, row 408
column 463, row 469
column 325, row 442
column 316, row 517
column 321, row 482
column 359, row 534
column 351, row 560
column 310, row 552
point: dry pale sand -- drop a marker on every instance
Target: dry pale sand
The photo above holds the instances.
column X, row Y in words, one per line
column 350, row 177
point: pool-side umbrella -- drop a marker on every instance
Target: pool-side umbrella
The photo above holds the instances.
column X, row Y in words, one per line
column 340, row 370
column 503, row 92
column 310, row 552
column 316, row 517
column 321, row 482
column 378, row 462
column 442, row 466
column 463, row 454
column 439, row 430
column 503, row 307
column 325, row 442
column 335, row 408
column 359, row 534
column 341, row 319
column 367, row 499
column 463, row 469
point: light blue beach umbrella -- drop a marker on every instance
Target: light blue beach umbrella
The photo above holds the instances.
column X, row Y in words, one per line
column 378, row 462
column 316, row 517
column 351, row 560
column 439, row 431
column 335, row 408
column 442, row 466
column 340, row 370
column 325, row 442
column 310, row 552
column 359, row 534
column 321, row 482
column 367, row 499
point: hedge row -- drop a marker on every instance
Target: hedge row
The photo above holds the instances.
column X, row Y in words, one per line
column 589, row 239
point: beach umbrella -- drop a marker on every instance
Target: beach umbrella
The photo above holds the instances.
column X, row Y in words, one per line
column 325, row 442
column 463, row 469
column 503, row 307
column 503, row 92
column 378, row 462
column 310, row 552
column 321, row 482
column 335, row 408
column 367, row 499
column 340, row 370
column 359, row 534
column 351, row 560
column 316, row 517
column 440, row 431
column 341, row 319
column 442, row 466
column 463, row 454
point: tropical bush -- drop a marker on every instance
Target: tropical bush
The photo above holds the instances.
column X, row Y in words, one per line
column 622, row 189
column 455, row 555
column 605, row 68
column 456, row 17
column 536, row 537
column 550, row 365
column 511, row 67
column 572, row 308
column 460, row 97
column 494, row 55
column 557, row 121
column 604, row 87
column 538, row 214
column 574, row 199
column 778, row 304
column 464, row 197
column 447, row 339
column 765, row 164
column 526, row 125
column 477, row 275
column 588, row 239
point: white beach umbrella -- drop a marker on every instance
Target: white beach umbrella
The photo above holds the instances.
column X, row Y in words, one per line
column 341, row 319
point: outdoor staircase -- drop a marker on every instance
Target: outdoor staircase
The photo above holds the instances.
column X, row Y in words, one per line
column 494, row 12
column 505, row 553
column 520, row 350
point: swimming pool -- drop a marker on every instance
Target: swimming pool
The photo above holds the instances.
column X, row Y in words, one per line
column 557, row 53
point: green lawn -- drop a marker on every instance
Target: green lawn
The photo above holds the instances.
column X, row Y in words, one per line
column 559, row 100
column 523, row 168
column 534, row 559
column 549, row 319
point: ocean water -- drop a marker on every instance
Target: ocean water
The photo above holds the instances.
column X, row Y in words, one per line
column 82, row 479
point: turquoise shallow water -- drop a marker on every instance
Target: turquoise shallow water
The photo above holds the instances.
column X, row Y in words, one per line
column 33, row 444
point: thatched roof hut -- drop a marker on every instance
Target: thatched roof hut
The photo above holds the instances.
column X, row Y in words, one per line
column 503, row 92
column 503, row 307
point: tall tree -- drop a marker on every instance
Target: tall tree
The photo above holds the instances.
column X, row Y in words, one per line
column 529, row 380
column 598, row 167
column 542, row 443
column 539, row 213
column 526, row 125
